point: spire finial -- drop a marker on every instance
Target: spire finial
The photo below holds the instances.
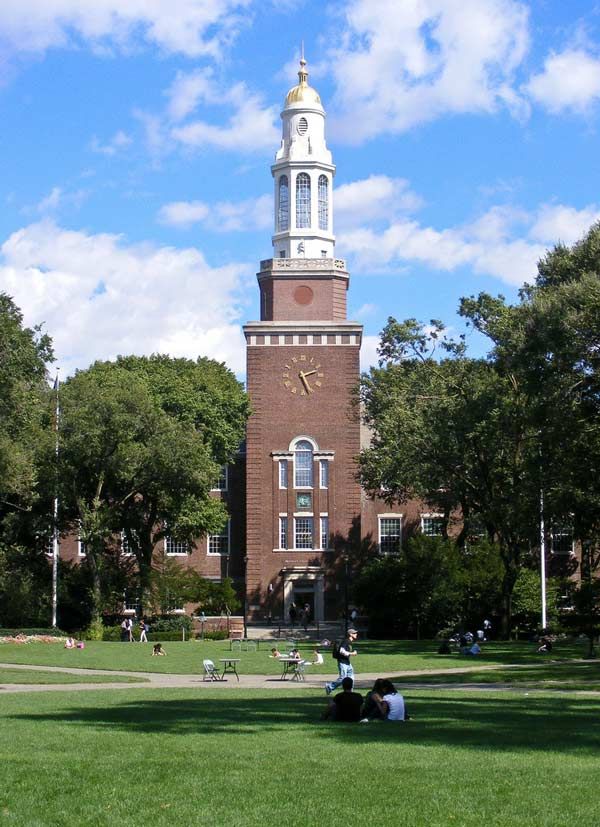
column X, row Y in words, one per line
column 302, row 74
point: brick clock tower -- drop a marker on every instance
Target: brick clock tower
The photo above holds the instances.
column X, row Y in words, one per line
column 302, row 496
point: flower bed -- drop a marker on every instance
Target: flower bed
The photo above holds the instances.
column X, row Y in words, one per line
column 21, row 639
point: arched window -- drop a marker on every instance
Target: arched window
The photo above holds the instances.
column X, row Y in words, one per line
column 323, row 203
column 283, row 205
column 303, row 464
column 302, row 200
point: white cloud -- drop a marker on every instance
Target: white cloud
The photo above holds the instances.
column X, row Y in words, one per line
column 557, row 222
column 369, row 199
column 570, row 80
column 187, row 90
column 51, row 201
column 189, row 27
column 99, row 296
column 401, row 64
column 251, row 127
column 505, row 242
column 368, row 352
column 120, row 140
column 224, row 216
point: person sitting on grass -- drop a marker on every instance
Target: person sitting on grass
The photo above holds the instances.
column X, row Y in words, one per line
column 545, row 646
column 317, row 657
column 69, row 643
column 372, row 708
column 389, row 702
column 346, row 705
column 275, row 653
column 158, row 650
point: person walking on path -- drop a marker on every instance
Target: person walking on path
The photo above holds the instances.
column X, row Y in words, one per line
column 345, row 668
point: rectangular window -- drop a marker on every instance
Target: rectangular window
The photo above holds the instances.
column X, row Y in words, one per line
column 324, row 473
column 219, row 543
column 325, row 532
column 283, row 532
column 390, row 535
column 283, row 473
column 303, row 532
column 222, row 482
column 81, row 549
column 126, row 548
column 175, row 547
column 432, row 525
column 562, row 540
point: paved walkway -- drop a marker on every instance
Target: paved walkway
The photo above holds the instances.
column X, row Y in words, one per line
column 155, row 680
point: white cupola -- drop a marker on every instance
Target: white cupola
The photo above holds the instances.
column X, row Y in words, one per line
column 303, row 176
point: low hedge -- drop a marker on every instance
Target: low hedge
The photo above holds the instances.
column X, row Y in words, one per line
column 217, row 634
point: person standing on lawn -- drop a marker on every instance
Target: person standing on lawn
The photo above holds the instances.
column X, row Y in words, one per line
column 345, row 668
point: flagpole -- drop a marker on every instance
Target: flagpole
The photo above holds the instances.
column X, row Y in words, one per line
column 543, row 558
column 55, row 511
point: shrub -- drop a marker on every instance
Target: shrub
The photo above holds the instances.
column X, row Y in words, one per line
column 170, row 623
column 216, row 634
column 95, row 631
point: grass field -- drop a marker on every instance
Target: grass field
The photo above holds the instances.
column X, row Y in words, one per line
column 147, row 758
column 545, row 675
column 384, row 657
column 33, row 677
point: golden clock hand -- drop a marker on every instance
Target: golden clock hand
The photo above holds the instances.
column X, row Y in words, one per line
column 304, row 382
column 308, row 372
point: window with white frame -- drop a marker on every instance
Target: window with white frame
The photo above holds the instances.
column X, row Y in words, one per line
column 390, row 534
column 283, row 531
column 283, row 210
column 324, row 473
column 302, row 200
column 223, row 479
column 432, row 525
column 81, row 548
column 562, row 540
column 323, row 202
column 324, row 525
column 303, row 532
column 126, row 546
column 219, row 543
column 303, row 464
column 175, row 547
column 283, row 473
column 131, row 603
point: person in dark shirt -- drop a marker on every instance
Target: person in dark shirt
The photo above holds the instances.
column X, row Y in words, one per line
column 346, row 705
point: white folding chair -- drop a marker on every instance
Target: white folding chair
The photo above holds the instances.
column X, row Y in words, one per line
column 211, row 673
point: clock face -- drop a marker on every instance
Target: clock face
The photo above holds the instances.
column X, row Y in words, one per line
column 302, row 375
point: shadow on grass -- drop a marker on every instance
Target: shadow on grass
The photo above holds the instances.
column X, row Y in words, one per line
column 502, row 652
column 565, row 725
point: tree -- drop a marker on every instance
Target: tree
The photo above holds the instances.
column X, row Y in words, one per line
column 142, row 441
column 550, row 343
column 527, row 600
column 24, row 354
column 455, row 433
column 415, row 593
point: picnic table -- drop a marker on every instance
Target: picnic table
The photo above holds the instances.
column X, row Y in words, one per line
column 229, row 665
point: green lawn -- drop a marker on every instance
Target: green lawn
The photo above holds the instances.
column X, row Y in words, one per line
column 219, row 757
column 30, row 676
column 545, row 675
column 383, row 657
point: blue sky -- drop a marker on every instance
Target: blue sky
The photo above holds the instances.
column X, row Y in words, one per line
column 137, row 139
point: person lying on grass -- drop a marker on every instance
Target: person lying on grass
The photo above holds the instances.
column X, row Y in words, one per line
column 346, row 705
column 275, row 653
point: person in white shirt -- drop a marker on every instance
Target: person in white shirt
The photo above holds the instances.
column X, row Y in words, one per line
column 317, row 657
column 389, row 702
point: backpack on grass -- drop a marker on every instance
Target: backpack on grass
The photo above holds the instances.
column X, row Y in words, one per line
column 335, row 650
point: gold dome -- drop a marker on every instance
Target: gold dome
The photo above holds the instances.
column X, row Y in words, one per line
column 302, row 93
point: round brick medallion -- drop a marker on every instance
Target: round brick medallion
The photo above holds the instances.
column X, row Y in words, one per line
column 303, row 294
